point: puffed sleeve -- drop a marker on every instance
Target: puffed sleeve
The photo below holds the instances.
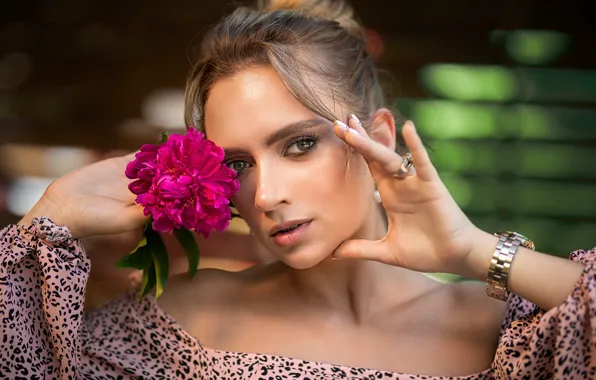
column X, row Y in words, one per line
column 552, row 344
column 43, row 274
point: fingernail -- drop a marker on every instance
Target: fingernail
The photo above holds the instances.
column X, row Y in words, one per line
column 412, row 124
column 353, row 131
column 355, row 118
column 341, row 124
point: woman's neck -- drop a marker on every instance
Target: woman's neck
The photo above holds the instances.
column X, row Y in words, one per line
column 356, row 289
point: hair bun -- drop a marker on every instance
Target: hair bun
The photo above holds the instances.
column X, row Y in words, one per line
column 335, row 10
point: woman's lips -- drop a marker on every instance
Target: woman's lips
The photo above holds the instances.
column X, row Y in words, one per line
column 287, row 225
column 287, row 237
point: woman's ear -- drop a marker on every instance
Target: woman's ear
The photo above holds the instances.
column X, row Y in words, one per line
column 382, row 128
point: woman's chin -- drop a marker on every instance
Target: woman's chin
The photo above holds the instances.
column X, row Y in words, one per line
column 304, row 260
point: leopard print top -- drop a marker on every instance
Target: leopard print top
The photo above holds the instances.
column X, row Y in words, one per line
column 44, row 334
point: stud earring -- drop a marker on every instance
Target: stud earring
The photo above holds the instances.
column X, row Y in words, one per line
column 377, row 196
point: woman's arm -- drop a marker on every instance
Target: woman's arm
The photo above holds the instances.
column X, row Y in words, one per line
column 554, row 343
column 542, row 279
column 43, row 274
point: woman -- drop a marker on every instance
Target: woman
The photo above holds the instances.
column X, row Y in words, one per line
column 345, row 299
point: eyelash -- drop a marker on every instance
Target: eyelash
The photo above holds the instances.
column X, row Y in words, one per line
column 305, row 138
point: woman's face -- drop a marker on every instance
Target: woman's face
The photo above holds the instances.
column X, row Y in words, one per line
column 297, row 193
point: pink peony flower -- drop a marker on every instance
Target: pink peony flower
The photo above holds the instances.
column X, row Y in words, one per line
column 183, row 183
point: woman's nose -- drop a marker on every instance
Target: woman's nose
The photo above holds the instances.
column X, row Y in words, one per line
column 270, row 190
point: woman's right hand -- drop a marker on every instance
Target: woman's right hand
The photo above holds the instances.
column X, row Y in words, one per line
column 93, row 200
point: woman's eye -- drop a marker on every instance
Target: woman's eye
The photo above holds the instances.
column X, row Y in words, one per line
column 238, row 166
column 302, row 146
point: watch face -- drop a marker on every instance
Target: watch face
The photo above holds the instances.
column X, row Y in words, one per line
column 529, row 244
column 525, row 242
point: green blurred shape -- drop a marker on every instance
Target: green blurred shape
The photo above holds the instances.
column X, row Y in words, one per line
column 556, row 85
column 459, row 188
column 467, row 157
column 580, row 236
column 536, row 47
column 469, row 83
column 522, row 159
column 522, row 197
column 449, row 120
column 444, row 119
column 553, row 123
column 500, row 84
column 476, row 195
column 552, row 199
column 556, row 161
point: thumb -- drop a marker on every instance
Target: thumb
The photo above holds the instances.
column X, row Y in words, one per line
column 363, row 250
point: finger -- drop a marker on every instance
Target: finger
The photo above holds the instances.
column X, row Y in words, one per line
column 355, row 123
column 125, row 161
column 122, row 189
column 424, row 167
column 342, row 128
column 388, row 160
column 133, row 217
column 362, row 250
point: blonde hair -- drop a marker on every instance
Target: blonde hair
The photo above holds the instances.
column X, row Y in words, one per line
column 317, row 47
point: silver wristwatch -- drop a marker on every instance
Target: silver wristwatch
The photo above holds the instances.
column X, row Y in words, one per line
column 500, row 264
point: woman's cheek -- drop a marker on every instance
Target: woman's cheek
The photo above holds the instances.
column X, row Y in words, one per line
column 242, row 202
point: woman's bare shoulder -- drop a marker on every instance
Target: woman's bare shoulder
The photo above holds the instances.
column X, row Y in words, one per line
column 207, row 285
column 208, row 297
column 472, row 294
column 198, row 303
column 472, row 310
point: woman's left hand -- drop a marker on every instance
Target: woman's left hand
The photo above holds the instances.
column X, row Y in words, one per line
column 427, row 231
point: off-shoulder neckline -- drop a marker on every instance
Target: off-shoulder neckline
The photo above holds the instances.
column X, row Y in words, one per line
column 177, row 328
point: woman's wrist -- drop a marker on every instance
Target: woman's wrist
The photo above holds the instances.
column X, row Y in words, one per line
column 542, row 279
column 477, row 262
column 48, row 209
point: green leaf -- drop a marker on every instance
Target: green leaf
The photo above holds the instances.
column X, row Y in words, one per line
column 138, row 259
column 148, row 224
column 141, row 244
column 163, row 137
column 187, row 241
column 149, row 278
column 160, row 260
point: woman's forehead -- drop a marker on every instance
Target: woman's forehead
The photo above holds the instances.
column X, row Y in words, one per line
column 249, row 104
column 252, row 103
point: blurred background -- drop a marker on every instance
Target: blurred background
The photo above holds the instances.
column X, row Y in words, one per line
column 504, row 91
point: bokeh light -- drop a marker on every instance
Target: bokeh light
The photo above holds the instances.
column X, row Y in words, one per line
column 536, row 47
column 467, row 82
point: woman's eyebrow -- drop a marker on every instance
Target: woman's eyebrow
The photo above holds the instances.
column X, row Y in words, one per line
column 293, row 128
column 233, row 152
column 281, row 134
